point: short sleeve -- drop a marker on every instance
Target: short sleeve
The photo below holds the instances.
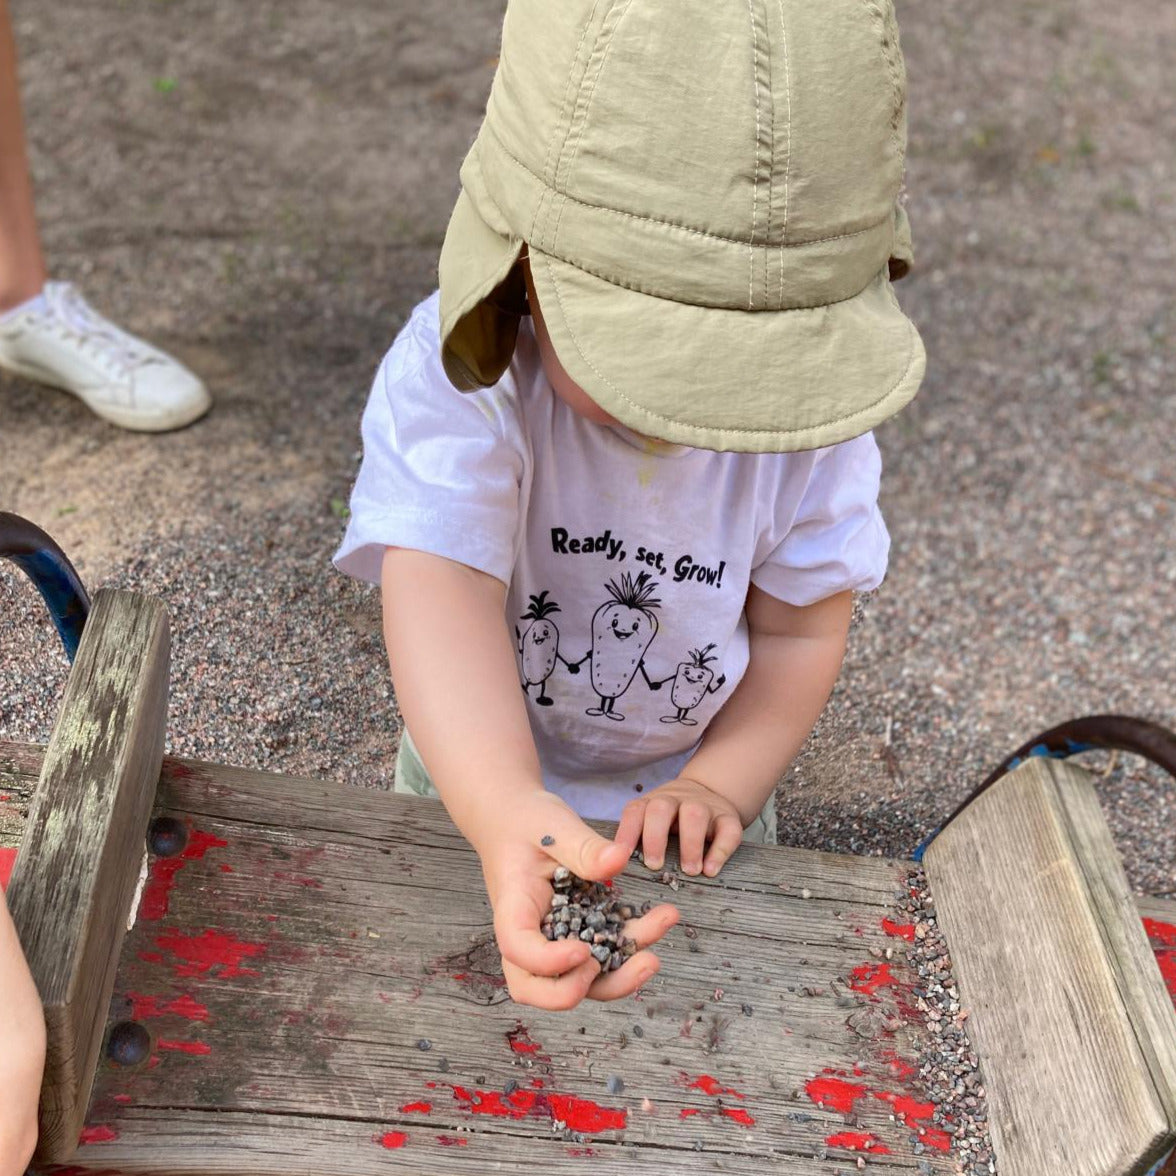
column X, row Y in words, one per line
column 836, row 538
column 441, row 469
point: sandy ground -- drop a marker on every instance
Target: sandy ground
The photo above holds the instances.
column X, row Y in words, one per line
column 262, row 188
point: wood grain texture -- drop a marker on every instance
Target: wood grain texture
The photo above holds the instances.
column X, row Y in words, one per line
column 1068, row 1013
column 74, row 878
column 289, row 961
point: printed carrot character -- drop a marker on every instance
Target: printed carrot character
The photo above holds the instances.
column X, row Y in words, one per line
column 539, row 647
column 622, row 630
column 692, row 683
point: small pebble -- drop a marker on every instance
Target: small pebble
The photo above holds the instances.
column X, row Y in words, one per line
column 510, row 1086
column 747, row 1010
column 443, row 1065
column 424, row 1045
column 615, row 1085
column 638, row 1031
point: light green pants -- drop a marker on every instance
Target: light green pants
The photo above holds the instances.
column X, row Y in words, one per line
column 411, row 777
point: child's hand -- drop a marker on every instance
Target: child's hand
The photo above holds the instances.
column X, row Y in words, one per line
column 701, row 815
column 517, row 866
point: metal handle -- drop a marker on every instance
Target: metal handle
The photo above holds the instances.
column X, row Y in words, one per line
column 54, row 576
column 1107, row 732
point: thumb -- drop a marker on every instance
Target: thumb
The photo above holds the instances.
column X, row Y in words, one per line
column 585, row 852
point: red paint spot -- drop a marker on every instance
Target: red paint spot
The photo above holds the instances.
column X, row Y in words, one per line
column 581, row 1114
column 917, row 1116
column 898, row 1067
column 709, row 1085
column 124, row 1099
column 151, row 957
column 900, row 930
column 145, row 1007
column 582, row 1151
column 1167, row 962
column 835, row 1093
column 225, row 868
column 1164, row 933
column 416, row 1108
column 157, row 892
column 739, row 1115
column 188, row 1047
column 7, row 864
column 392, row 1139
column 868, row 978
column 520, row 1041
column 687, row 1112
column 210, row 949
column 97, row 1135
column 538, row 1083
column 453, row 1141
column 5, row 797
column 858, row 1141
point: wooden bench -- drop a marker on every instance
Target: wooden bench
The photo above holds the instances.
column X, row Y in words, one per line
column 310, row 986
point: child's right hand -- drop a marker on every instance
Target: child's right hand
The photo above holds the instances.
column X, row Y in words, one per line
column 518, row 867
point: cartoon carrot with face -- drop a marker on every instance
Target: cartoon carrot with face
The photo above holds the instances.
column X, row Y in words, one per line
column 692, row 683
column 622, row 630
column 539, row 647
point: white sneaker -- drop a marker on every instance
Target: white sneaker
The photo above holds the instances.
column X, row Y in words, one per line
column 60, row 340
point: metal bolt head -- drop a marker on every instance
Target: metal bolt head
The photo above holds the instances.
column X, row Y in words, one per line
column 128, row 1044
column 167, row 836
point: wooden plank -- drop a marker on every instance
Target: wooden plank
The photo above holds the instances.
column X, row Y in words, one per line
column 74, row 879
column 288, row 962
column 1068, row 1013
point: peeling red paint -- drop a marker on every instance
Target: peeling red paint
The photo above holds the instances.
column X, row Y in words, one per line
column 687, row 1112
column 151, row 957
column 709, row 1085
column 579, row 1114
column 453, row 1141
column 210, row 949
column 189, row 1047
column 520, row 1041
column 123, row 1099
column 739, row 1115
column 858, row 1141
column 225, row 868
column 7, row 865
column 145, row 1007
column 835, row 1093
column 416, row 1108
column 392, row 1139
column 900, row 930
column 1164, row 933
column 157, row 892
column 868, row 978
column 898, row 1067
column 97, row 1135
column 1167, row 963
column 916, row 1115
column 582, row 1151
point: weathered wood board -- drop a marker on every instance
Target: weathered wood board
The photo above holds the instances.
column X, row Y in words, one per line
column 85, row 832
column 292, row 961
column 1074, row 1024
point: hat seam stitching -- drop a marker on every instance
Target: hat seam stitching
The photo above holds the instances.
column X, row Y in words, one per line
column 686, row 228
column 788, row 156
column 755, row 175
column 772, row 150
column 563, row 110
column 911, row 352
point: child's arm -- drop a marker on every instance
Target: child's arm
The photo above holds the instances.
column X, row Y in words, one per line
column 458, row 688
column 22, row 1052
column 795, row 656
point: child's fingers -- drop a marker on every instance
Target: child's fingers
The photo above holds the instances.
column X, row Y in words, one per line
column 584, row 851
column 694, row 819
column 557, row 993
column 728, row 833
column 652, row 926
column 626, row 979
column 660, row 814
column 630, row 825
column 522, row 943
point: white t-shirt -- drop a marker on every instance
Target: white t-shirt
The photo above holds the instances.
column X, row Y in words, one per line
column 627, row 562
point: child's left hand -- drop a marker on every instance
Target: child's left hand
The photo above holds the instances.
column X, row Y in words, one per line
column 702, row 816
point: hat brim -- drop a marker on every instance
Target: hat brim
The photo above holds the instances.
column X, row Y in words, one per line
column 751, row 381
column 482, row 297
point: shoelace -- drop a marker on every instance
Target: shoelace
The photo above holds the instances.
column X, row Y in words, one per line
column 91, row 331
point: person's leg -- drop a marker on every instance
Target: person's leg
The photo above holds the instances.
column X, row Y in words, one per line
column 762, row 831
column 22, row 265
column 410, row 776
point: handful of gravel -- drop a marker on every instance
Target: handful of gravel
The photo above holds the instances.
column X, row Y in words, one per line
column 589, row 911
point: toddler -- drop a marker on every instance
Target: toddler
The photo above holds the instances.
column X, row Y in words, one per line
column 619, row 483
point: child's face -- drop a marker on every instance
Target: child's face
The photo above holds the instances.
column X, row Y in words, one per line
column 565, row 387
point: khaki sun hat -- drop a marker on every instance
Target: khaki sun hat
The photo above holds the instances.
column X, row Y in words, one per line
column 708, row 191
